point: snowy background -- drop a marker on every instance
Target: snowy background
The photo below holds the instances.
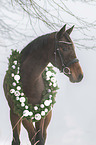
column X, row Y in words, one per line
column 74, row 115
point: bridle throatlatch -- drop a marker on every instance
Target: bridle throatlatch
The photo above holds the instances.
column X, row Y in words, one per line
column 65, row 67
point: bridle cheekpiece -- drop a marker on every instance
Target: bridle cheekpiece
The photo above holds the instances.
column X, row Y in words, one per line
column 65, row 67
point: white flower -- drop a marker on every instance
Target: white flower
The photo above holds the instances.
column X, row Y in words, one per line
column 49, row 90
column 13, row 66
column 17, row 93
column 17, row 77
column 47, row 102
column 30, row 113
column 22, row 99
column 35, row 108
column 54, row 85
column 17, row 98
column 18, row 88
column 22, row 94
column 50, row 101
column 26, row 107
column 46, row 110
column 17, row 82
column 48, row 78
column 46, row 68
column 42, row 105
column 12, row 74
column 43, row 113
column 54, row 91
column 50, row 96
column 49, row 64
column 37, row 116
column 22, row 104
column 15, row 62
column 12, row 91
column 25, row 113
column 14, row 84
column 32, row 118
column 18, row 72
column 50, row 84
column 53, row 80
column 18, row 68
column 49, row 74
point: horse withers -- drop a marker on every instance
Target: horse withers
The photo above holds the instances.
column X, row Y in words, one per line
column 57, row 48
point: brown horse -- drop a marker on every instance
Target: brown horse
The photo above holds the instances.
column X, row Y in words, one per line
column 57, row 48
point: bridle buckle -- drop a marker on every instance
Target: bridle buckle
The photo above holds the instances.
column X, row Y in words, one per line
column 66, row 70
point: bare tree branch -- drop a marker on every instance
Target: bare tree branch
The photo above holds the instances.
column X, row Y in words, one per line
column 37, row 12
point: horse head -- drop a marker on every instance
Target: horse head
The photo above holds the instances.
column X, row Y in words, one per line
column 65, row 56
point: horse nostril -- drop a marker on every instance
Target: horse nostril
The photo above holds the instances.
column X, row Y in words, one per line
column 80, row 77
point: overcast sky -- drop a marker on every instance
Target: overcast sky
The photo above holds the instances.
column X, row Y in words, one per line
column 74, row 115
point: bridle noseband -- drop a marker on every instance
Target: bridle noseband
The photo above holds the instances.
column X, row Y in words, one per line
column 65, row 67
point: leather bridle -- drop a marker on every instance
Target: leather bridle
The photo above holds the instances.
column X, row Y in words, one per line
column 65, row 67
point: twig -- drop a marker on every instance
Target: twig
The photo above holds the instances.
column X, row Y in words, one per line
column 17, row 123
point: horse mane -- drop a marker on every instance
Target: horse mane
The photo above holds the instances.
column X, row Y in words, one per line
column 34, row 45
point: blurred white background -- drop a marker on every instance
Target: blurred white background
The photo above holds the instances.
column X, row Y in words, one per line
column 74, row 115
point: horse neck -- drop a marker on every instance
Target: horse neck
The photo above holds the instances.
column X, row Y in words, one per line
column 37, row 60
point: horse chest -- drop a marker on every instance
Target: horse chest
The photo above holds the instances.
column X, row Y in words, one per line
column 33, row 90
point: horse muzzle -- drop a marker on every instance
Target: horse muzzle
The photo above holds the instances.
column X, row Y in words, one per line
column 76, row 79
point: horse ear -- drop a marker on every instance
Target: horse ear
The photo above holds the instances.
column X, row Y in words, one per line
column 60, row 32
column 70, row 30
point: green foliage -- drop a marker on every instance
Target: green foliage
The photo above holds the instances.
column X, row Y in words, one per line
column 21, row 106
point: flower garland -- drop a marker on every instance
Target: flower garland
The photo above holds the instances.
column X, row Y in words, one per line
column 21, row 106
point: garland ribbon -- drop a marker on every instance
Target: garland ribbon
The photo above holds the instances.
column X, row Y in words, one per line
column 21, row 106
